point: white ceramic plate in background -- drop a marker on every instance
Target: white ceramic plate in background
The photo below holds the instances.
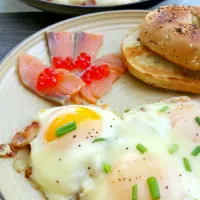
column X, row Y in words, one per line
column 18, row 105
column 68, row 9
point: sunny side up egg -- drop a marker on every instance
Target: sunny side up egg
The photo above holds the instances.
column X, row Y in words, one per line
column 99, row 160
column 72, row 164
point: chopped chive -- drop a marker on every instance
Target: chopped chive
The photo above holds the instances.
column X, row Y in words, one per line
column 141, row 148
column 67, row 128
column 153, row 188
column 106, row 168
column 99, row 140
column 173, row 148
column 134, row 192
column 187, row 164
column 163, row 109
column 197, row 120
column 196, row 151
column 127, row 110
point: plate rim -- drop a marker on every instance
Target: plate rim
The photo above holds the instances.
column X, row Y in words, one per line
column 12, row 51
column 92, row 7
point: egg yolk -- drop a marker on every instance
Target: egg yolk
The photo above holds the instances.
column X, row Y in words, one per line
column 79, row 116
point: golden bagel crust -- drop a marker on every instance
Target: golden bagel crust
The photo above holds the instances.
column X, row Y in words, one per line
column 156, row 70
column 174, row 33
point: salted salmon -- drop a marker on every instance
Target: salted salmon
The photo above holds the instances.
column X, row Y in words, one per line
column 30, row 68
column 114, row 61
column 65, row 44
column 89, row 43
column 61, row 44
column 99, row 88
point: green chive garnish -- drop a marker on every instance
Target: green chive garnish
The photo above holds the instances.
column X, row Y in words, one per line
column 141, row 148
column 163, row 109
column 99, row 140
column 187, row 164
column 106, row 168
column 153, row 188
column 134, row 192
column 67, row 128
column 197, row 120
column 127, row 110
column 196, row 151
column 173, row 148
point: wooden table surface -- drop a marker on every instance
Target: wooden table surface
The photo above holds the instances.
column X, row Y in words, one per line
column 18, row 6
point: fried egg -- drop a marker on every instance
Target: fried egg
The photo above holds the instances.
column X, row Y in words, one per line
column 65, row 166
column 100, row 160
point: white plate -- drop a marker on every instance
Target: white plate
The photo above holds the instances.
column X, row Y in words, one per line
column 18, row 105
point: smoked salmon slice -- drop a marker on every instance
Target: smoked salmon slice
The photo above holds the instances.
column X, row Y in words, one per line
column 65, row 44
column 29, row 69
column 99, row 88
column 89, row 43
column 61, row 44
column 113, row 60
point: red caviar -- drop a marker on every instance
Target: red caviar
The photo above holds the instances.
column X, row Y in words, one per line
column 82, row 62
column 67, row 64
column 96, row 73
column 48, row 78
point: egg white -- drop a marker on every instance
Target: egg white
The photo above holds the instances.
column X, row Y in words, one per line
column 77, row 171
column 48, row 170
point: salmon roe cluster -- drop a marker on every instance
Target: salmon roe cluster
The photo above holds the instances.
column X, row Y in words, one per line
column 48, row 78
column 96, row 72
column 82, row 62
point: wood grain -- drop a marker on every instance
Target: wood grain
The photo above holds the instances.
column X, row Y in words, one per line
column 15, row 27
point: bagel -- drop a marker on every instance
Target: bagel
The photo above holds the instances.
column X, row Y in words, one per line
column 156, row 70
column 173, row 32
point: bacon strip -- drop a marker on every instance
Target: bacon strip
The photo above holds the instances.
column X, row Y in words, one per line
column 7, row 150
column 28, row 172
column 22, row 139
